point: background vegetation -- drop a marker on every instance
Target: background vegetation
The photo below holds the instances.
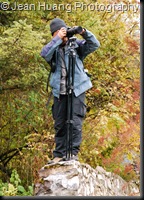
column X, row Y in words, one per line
column 111, row 130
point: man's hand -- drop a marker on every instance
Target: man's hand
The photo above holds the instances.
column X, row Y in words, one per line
column 83, row 31
column 62, row 32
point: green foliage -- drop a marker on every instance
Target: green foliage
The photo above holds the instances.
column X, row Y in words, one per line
column 14, row 187
column 20, row 54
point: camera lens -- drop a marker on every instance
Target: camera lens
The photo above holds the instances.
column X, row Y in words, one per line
column 74, row 30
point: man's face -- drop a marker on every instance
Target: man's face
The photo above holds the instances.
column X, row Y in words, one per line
column 65, row 39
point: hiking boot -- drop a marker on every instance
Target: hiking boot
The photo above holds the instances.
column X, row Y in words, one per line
column 74, row 157
column 55, row 160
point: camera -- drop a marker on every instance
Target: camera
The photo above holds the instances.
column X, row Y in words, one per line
column 74, row 30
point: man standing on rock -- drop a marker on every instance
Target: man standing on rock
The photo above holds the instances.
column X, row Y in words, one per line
column 56, row 53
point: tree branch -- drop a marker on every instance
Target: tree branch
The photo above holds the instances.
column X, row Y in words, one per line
column 5, row 156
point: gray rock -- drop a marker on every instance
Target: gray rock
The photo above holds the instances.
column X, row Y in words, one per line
column 72, row 178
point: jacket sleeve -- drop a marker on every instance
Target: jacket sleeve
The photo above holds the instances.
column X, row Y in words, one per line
column 88, row 45
column 49, row 49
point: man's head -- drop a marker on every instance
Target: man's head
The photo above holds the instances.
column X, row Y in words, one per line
column 56, row 24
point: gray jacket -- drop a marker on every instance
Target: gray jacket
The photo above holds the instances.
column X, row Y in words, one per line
column 83, row 47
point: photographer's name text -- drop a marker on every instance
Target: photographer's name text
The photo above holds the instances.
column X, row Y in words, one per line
column 69, row 7
column 39, row 6
column 26, row 6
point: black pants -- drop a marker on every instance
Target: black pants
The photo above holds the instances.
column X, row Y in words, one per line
column 59, row 111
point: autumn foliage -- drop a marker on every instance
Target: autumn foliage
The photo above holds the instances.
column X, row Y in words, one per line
column 111, row 129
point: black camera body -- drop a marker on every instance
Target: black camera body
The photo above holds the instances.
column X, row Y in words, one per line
column 74, row 30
